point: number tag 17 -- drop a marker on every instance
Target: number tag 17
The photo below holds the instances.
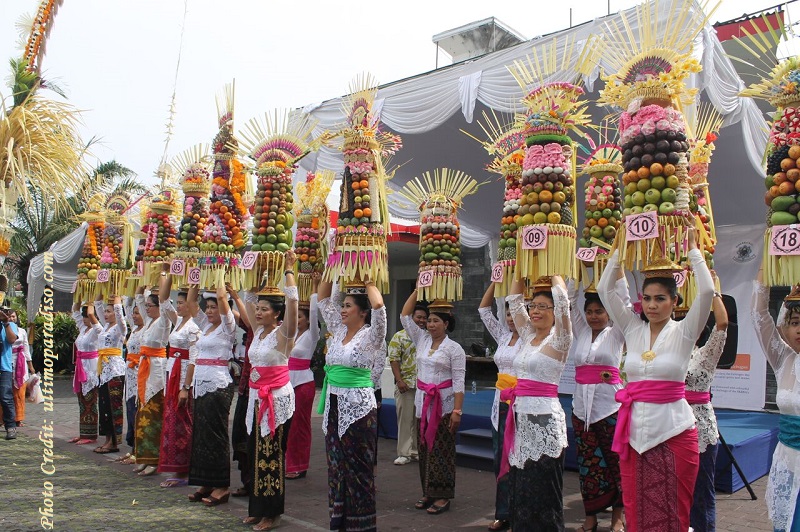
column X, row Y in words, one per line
column 785, row 240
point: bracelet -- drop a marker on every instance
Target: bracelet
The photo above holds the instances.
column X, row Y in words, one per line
column 287, row 272
column 458, row 411
column 717, row 294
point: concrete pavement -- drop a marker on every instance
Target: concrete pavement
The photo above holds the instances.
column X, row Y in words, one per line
column 92, row 493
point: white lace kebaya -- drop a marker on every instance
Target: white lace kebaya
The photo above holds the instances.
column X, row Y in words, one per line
column 264, row 352
column 133, row 346
column 503, row 357
column 156, row 335
column 541, row 426
column 215, row 346
column 87, row 340
column 360, row 352
column 305, row 344
column 111, row 336
column 783, row 487
column 183, row 336
column 702, row 367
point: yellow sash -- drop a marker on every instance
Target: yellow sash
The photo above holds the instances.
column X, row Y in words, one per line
column 505, row 381
column 103, row 355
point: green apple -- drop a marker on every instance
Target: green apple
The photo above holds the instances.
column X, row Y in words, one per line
column 672, row 182
column 638, row 199
column 669, row 195
column 643, row 184
column 658, row 182
column 666, row 208
column 652, row 196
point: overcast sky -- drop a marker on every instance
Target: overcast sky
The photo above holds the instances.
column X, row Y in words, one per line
column 117, row 59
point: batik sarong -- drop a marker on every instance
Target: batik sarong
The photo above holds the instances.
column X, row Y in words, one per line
column 298, row 452
column 351, row 471
column 268, row 466
column 598, row 465
column 176, row 435
column 87, row 424
column 437, row 466
column 536, row 495
column 211, row 446
column 110, row 399
column 148, row 430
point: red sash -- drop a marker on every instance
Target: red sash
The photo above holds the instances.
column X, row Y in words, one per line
column 299, row 364
column 174, row 382
column 698, row 398
column 597, row 374
column 265, row 379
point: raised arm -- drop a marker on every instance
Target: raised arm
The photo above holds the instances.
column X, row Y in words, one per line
column 313, row 320
column 244, row 314
column 192, row 304
column 408, row 306
column 775, row 347
column 99, row 305
column 697, row 316
column 516, row 305
column 228, row 322
column 579, row 324
column 122, row 326
column 490, row 321
column 289, row 325
column 165, row 288
column 718, row 308
column 613, row 303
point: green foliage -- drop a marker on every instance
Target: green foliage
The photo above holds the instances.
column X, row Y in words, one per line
column 24, row 82
column 64, row 333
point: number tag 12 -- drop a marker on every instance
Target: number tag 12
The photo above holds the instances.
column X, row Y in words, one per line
column 785, row 240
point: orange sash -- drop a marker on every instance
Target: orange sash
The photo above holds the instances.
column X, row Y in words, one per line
column 146, row 354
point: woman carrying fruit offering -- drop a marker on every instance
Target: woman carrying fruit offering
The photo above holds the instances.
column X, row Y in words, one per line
column 298, row 452
column 508, row 346
column 781, row 344
column 151, row 377
column 212, row 390
column 111, row 371
column 86, row 378
column 176, row 436
column 536, row 430
column 655, row 434
column 350, row 420
column 271, row 402
column 133, row 346
column 597, row 357
column 441, row 369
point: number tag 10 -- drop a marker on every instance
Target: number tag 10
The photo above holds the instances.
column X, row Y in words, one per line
column 641, row 226
column 785, row 240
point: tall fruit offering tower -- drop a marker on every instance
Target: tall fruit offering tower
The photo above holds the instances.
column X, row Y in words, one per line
column 312, row 229
column 361, row 252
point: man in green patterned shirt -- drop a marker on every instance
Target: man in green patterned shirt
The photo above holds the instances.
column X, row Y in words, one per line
column 403, row 359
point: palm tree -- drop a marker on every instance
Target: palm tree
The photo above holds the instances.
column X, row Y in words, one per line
column 39, row 223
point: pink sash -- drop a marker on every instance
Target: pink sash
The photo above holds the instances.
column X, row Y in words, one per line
column 432, row 395
column 265, row 379
column 524, row 388
column 80, row 373
column 299, row 364
column 19, row 370
column 698, row 398
column 597, row 374
column 210, row 362
column 655, row 392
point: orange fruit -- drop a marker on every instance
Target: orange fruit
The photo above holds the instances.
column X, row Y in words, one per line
column 643, row 172
column 786, row 188
column 367, row 212
column 591, row 222
column 364, row 183
column 545, row 196
column 781, row 177
column 602, row 222
column 358, row 213
column 356, row 185
column 656, row 169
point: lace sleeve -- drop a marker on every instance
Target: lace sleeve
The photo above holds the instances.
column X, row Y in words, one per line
column 378, row 367
column 458, row 365
column 522, row 321
column 201, row 320
column 139, row 301
column 623, row 292
column 228, row 323
column 492, row 324
column 563, row 326
column 251, row 297
column 330, row 314
column 614, row 305
column 377, row 330
column 712, row 351
column 77, row 317
column 313, row 321
column 122, row 327
column 167, row 309
column 99, row 312
column 414, row 332
column 696, row 318
column 775, row 348
column 291, row 293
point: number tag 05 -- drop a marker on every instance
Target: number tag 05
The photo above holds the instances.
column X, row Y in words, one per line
column 785, row 240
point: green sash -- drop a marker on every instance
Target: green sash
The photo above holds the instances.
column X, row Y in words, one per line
column 343, row 377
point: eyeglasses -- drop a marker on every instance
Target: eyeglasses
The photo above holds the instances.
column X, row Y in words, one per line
column 540, row 306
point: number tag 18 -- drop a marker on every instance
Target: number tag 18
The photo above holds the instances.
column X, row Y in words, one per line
column 785, row 240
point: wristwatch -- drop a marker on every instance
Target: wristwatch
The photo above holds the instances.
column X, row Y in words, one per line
column 287, row 272
column 717, row 294
column 186, row 387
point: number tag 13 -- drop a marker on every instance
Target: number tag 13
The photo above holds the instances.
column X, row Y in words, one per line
column 785, row 240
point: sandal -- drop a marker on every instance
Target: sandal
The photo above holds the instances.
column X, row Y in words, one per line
column 213, row 501
column 106, row 450
column 130, row 460
column 593, row 529
column 500, row 524
column 276, row 521
column 122, row 457
column 84, row 441
column 174, row 483
column 251, row 520
column 424, row 503
column 436, row 509
column 148, row 471
column 198, row 495
column 241, row 492
column 295, row 476
column 76, row 439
